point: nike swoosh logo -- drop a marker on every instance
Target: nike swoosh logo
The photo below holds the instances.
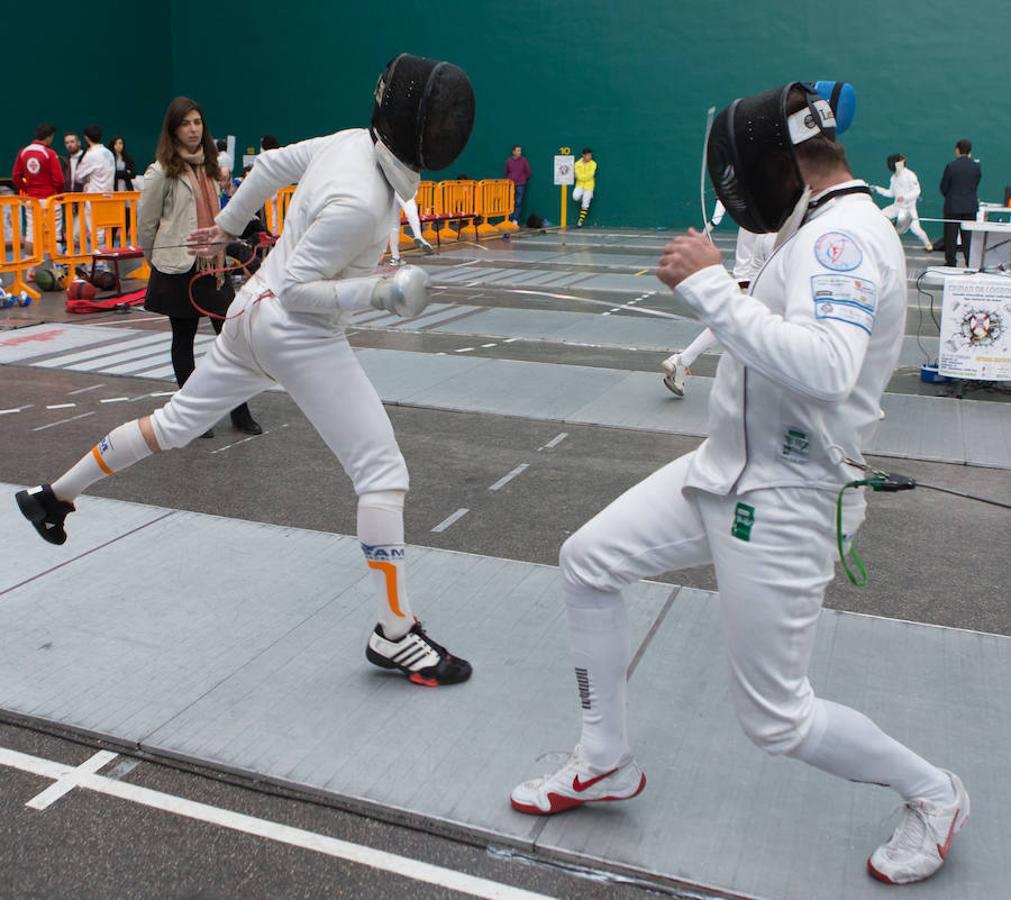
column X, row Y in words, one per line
column 580, row 786
column 943, row 850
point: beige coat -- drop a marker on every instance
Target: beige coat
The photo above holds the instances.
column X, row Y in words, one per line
column 168, row 213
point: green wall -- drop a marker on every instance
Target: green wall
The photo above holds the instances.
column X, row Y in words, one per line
column 632, row 80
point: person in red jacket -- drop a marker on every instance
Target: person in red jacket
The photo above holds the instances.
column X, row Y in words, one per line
column 37, row 173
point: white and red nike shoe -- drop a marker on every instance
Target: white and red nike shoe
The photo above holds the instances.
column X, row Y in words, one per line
column 920, row 844
column 576, row 783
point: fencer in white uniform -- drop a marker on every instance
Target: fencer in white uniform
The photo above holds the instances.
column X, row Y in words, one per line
column 286, row 326
column 410, row 211
column 904, row 189
column 807, row 354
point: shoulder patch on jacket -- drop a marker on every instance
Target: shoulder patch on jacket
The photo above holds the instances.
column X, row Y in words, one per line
column 838, row 251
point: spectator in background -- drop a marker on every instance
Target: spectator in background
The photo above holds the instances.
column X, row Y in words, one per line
column 269, row 142
column 126, row 170
column 97, row 169
column 518, row 171
column 37, row 173
column 74, row 153
column 586, row 181
column 958, row 185
column 181, row 195
column 225, row 160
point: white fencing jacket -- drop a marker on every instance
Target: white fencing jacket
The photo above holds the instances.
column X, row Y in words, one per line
column 903, row 184
column 336, row 227
column 809, row 351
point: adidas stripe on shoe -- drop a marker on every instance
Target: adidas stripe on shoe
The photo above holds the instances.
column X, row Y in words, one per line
column 418, row 657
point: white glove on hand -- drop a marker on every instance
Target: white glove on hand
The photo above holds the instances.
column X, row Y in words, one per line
column 406, row 294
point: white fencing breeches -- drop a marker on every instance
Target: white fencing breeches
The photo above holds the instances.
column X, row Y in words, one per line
column 583, row 194
column 314, row 364
column 906, row 219
column 770, row 584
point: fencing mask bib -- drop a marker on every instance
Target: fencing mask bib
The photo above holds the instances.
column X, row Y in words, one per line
column 751, row 159
column 424, row 111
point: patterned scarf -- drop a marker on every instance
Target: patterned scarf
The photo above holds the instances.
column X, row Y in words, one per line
column 205, row 191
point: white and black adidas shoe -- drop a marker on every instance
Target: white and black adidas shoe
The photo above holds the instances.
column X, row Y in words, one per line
column 420, row 658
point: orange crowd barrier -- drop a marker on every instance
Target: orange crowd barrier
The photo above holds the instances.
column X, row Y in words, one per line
column 16, row 256
column 276, row 209
column 495, row 201
column 429, row 200
column 93, row 224
column 459, row 200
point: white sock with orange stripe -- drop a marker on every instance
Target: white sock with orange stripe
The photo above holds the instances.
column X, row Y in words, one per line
column 381, row 534
column 120, row 448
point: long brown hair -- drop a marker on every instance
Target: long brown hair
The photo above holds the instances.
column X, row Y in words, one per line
column 168, row 149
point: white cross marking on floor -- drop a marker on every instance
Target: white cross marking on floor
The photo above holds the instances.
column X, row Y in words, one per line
column 449, row 520
column 449, row 879
column 66, row 783
column 505, row 479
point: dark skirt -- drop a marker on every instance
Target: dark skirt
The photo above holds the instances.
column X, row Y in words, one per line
column 169, row 294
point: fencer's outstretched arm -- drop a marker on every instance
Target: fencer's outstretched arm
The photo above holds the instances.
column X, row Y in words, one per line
column 816, row 357
column 273, row 170
column 884, row 192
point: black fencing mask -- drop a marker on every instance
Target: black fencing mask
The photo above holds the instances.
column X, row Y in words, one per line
column 424, row 111
column 750, row 155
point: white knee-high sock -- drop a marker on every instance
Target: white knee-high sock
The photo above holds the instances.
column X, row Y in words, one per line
column 122, row 447
column 846, row 743
column 599, row 636
column 381, row 534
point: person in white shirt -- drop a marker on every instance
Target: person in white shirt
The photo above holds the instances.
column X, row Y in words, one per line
column 225, row 160
column 286, row 327
column 807, row 354
column 904, row 189
column 97, row 173
column 97, row 169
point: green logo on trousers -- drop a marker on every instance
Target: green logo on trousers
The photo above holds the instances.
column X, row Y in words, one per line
column 744, row 518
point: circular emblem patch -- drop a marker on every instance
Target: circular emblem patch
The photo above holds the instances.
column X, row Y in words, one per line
column 33, row 166
column 838, row 252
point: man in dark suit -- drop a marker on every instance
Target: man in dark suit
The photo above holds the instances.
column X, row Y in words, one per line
column 958, row 185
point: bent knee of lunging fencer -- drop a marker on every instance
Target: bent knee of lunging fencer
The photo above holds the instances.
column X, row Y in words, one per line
column 174, row 427
column 583, row 564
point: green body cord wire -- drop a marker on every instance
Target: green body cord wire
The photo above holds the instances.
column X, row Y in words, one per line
column 861, row 579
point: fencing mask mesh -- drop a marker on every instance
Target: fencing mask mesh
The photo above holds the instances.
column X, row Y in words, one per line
column 750, row 154
column 424, row 111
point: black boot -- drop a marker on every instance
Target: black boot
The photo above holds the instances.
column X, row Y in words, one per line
column 243, row 420
column 45, row 512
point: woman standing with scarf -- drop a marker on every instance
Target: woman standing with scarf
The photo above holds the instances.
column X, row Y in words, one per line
column 181, row 194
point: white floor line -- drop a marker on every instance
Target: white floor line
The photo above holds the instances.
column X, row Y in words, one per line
column 72, row 779
column 413, row 869
column 554, row 442
column 113, row 399
column 445, row 523
column 61, row 406
column 63, row 421
column 85, row 390
column 505, row 479
column 17, row 409
column 463, row 350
